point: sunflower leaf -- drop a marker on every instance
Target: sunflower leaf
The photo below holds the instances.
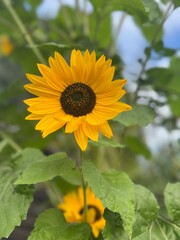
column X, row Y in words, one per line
column 146, row 210
column 14, row 200
column 114, row 189
column 106, row 143
column 52, row 225
column 139, row 115
column 47, row 168
column 172, row 196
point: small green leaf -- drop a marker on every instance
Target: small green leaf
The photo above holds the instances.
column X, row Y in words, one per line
column 51, row 225
column 114, row 226
column 106, row 142
column 139, row 115
column 47, row 168
column 151, row 7
column 138, row 146
column 114, row 189
column 172, row 198
column 174, row 102
column 146, row 210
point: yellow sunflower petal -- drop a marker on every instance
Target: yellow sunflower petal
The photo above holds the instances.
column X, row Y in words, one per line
column 45, row 108
column 81, row 138
column 73, row 125
column 98, row 226
column 45, row 122
column 90, row 131
column 90, row 57
column 105, row 129
column 33, row 116
column 52, row 128
column 64, row 70
column 37, row 80
column 41, row 91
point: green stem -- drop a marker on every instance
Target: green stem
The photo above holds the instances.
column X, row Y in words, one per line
column 10, row 141
column 23, row 30
column 153, row 42
column 112, row 47
column 84, row 185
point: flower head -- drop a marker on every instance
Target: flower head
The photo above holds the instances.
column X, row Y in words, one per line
column 80, row 96
column 73, row 207
column 6, row 47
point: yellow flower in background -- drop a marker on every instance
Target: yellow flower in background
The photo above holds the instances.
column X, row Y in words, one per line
column 80, row 96
column 73, row 206
column 6, row 46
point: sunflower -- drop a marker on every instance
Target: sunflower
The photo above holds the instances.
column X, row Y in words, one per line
column 6, row 46
column 73, row 206
column 81, row 96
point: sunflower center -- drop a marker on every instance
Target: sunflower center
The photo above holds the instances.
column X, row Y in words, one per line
column 78, row 99
column 93, row 213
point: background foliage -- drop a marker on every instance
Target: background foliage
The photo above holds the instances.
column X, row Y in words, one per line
column 157, row 214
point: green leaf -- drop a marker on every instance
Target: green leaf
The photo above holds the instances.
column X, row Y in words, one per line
column 106, row 143
column 138, row 146
column 148, row 225
column 172, row 197
column 114, row 226
column 14, row 200
column 27, row 157
column 134, row 7
column 146, row 210
column 51, row 225
column 174, row 102
column 47, row 168
column 176, row 3
column 151, row 7
column 114, row 189
column 161, row 229
column 139, row 115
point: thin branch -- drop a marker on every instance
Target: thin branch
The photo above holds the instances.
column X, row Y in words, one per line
column 23, row 30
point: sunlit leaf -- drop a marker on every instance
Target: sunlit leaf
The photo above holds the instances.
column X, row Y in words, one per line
column 139, row 115
column 47, row 168
column 146, row 210
column 14, row 200
column 172, row 196
column 52, row 225
column 114, row 189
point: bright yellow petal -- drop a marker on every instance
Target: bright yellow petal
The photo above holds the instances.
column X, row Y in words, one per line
column 62, row 116
column 41, row 91
column 45, row 122
column 90, row 131
column 45, row 108
column 33, row 116
column 106, row 130
column 73, row 125
column 90, row 57
column 37, row 80
column 81, row 138
column 55, row 125
column 64, row 72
